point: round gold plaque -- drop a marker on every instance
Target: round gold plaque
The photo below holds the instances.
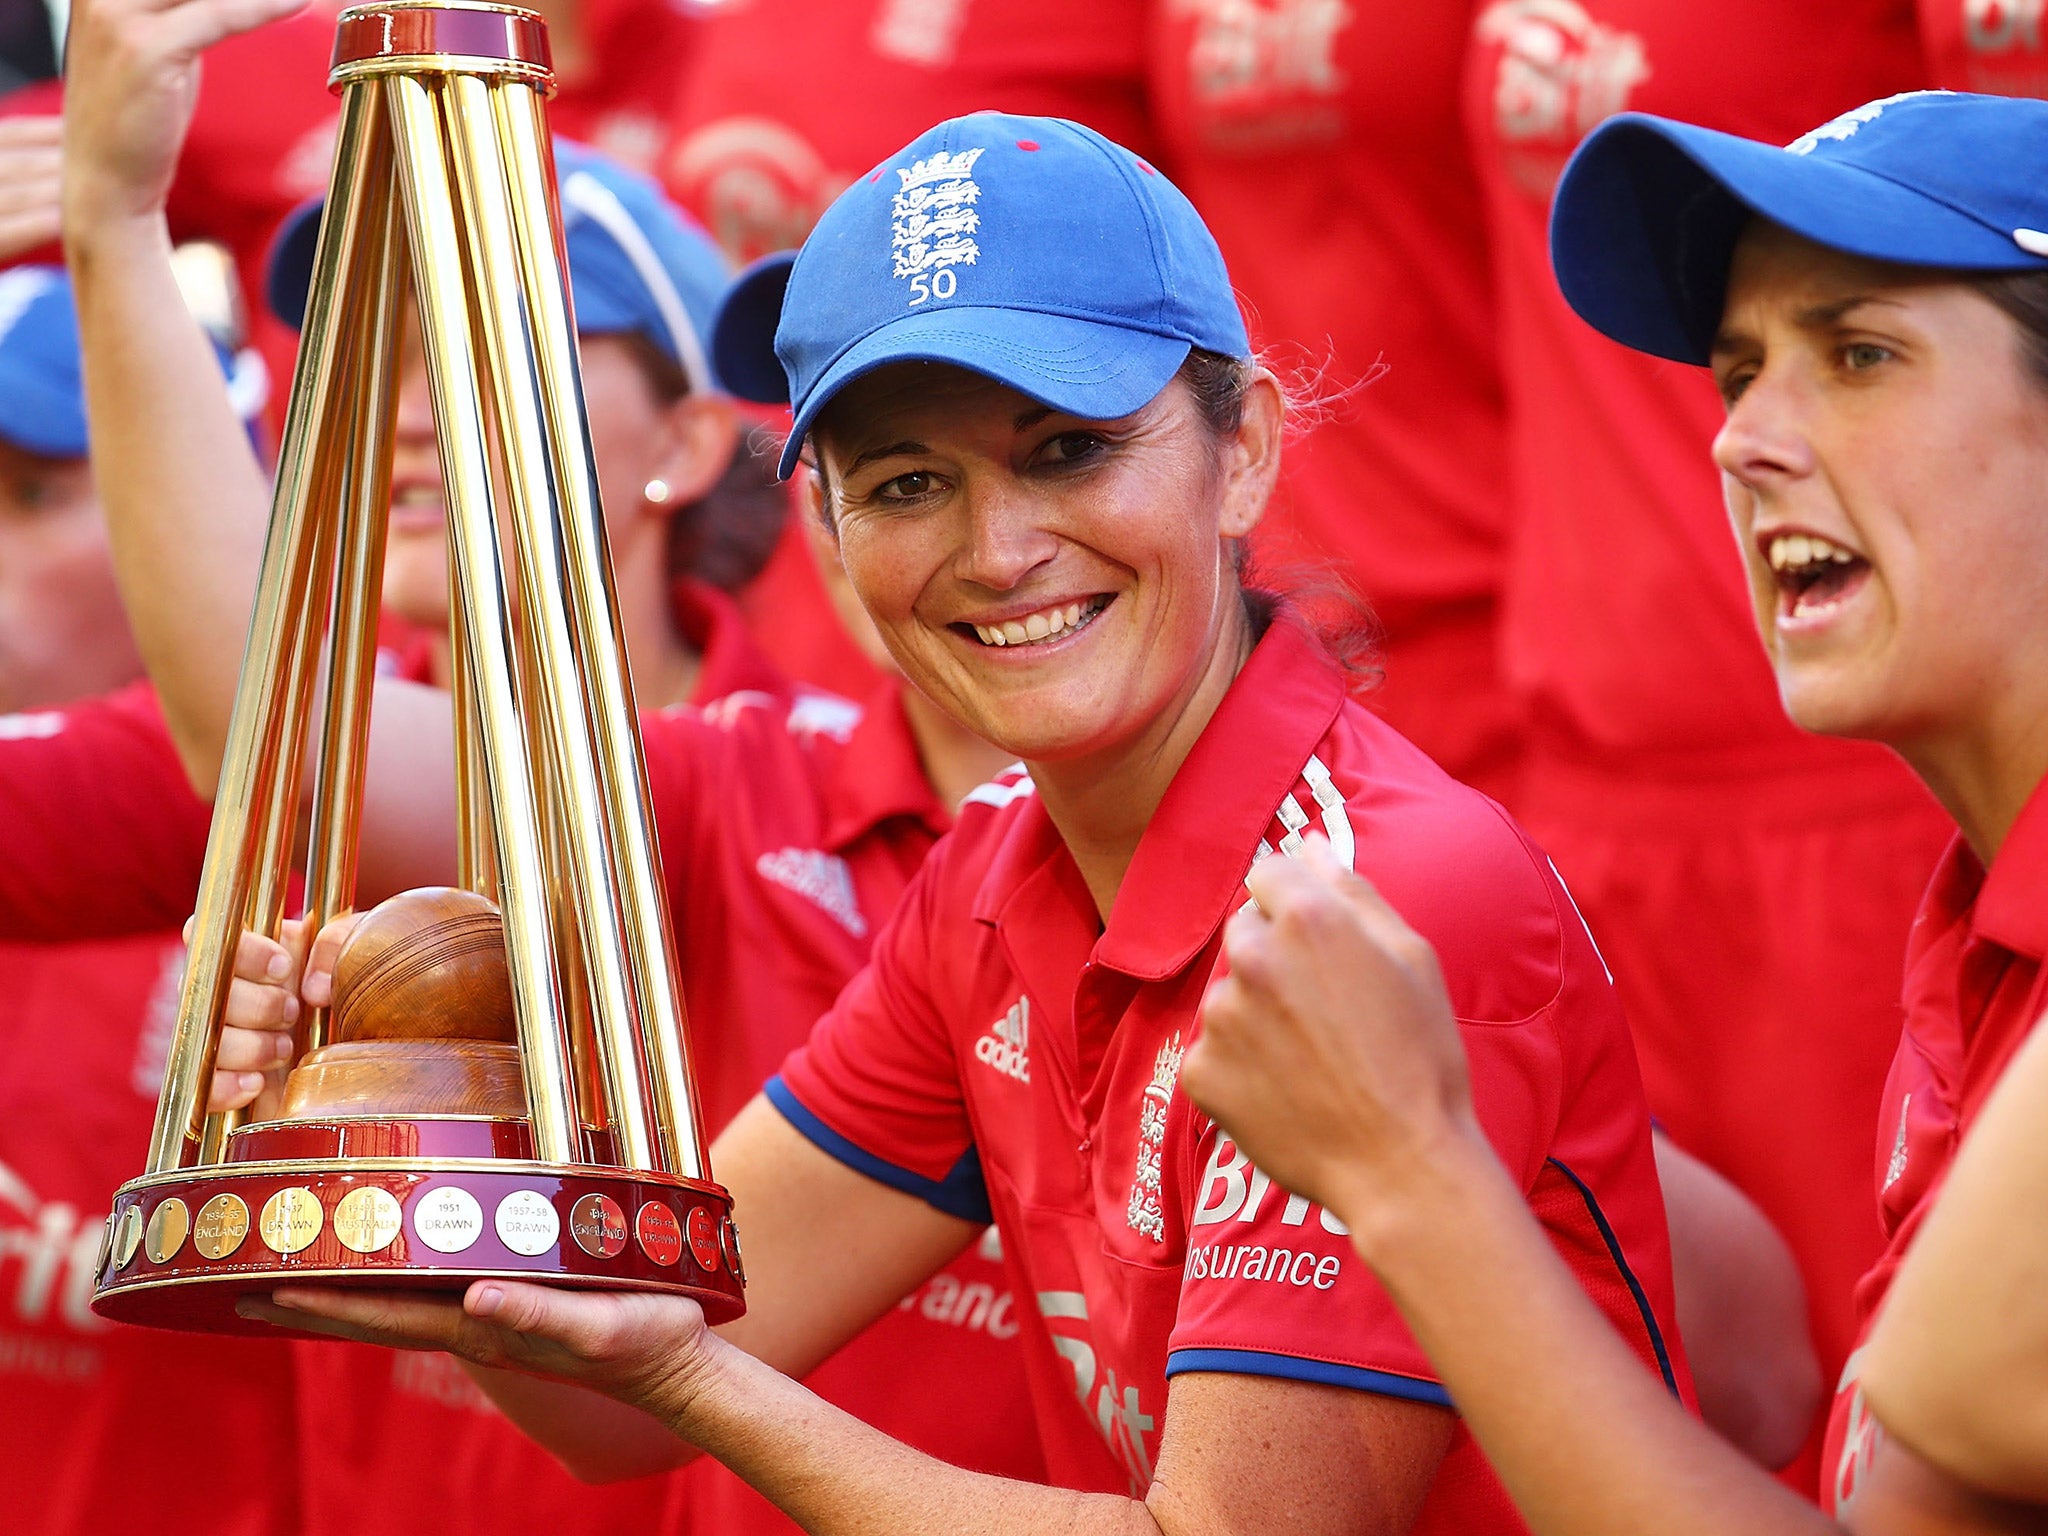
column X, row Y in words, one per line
column 223, row 1223
column 367, row 1219
column 291, row 1219
column 127, row 1236
column 168, row 1224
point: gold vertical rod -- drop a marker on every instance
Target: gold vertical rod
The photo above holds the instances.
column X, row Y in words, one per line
column 505, row 289
column 438, row 259
column 299, row 660
column 364, row 515
column 478, row 869
column 244, row 799
column 648, row 954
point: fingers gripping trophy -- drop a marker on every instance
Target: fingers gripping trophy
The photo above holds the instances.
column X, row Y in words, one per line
column 502, row 1085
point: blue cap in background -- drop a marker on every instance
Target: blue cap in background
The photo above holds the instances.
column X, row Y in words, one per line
column 636, row 262
column 42, row 391
column 1649, row 210
column 1027, row 249
column 42, row 396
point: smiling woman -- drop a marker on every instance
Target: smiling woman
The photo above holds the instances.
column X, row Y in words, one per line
column 1001, row 350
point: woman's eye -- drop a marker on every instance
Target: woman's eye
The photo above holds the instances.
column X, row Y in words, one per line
column 907, row 487
column 1865, row 354
column 1072, row 448
column 1733, row 385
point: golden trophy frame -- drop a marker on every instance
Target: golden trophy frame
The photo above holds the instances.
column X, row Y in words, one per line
column 444, row 165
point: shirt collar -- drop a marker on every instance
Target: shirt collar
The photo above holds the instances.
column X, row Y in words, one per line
column 2012, row 906
column 880, row 776
column 728, row 660
column 1187, row 876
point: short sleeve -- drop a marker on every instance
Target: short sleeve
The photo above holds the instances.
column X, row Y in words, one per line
column 100, row 833
column 877, row 1085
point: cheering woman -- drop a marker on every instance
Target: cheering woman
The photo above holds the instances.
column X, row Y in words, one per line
column 1873, row 302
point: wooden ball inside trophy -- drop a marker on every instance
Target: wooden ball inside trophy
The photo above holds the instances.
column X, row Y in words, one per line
column 501, row 1086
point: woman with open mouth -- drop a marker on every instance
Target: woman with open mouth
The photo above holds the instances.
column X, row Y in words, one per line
column 1872, row 300
column 1015, row 362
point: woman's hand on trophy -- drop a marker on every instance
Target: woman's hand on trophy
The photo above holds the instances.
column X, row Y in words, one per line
column 131, row 79
column 256, row 1021
column 1329, row 1051
column 651, row 1351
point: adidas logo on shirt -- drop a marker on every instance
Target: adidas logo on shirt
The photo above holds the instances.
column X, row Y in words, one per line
column 1006, row 1042
column 819, row 877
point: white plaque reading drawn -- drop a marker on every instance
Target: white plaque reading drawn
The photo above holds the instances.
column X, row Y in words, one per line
column 527, row 1223
column 448, row 1219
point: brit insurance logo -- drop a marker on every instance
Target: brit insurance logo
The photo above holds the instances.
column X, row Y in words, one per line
column 1561, row 72
column 933, row 223
column 1006, row 1044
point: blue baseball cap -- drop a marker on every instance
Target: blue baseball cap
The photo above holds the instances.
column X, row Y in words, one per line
column 1649, row 210
column 1028, row 249
column 42, row 391
column 636, row 262
column 42, row 396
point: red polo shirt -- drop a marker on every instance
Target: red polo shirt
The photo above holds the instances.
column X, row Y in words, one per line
column 1999, row 47
column 1276, row 120
column 1000, row 1053
column 100, row 833
column 104, row 1427
column 1975, row 987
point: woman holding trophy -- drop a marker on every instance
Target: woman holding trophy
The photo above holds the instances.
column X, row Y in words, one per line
column 1041, row 446
column 666, row 427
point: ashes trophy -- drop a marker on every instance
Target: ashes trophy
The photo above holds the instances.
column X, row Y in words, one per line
column 502, row 1086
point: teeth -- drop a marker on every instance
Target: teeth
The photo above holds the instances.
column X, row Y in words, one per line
column 1042, row 625
column 1796, row 551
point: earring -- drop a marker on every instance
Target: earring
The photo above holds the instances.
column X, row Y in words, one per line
column 657, row 492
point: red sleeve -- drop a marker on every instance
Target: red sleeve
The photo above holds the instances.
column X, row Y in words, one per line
column 100, row 834
column 877, row 1085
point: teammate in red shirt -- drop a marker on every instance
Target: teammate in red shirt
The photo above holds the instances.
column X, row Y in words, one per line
column 1040, row 441
column 102, row 1424
column 1738, row 874
column 1324, row 146
column 1872, row 300
column 787, row 101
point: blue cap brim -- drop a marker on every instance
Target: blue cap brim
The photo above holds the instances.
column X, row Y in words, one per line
column 1081, row 367
column 1648, row 213
column 743, row 332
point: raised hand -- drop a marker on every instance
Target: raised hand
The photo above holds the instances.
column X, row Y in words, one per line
column 131, row 79
column 1328, row 1050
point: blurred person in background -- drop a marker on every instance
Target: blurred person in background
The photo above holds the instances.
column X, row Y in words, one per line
column 103, row 1424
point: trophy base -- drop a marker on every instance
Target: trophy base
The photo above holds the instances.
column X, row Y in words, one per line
column 182, row 1248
